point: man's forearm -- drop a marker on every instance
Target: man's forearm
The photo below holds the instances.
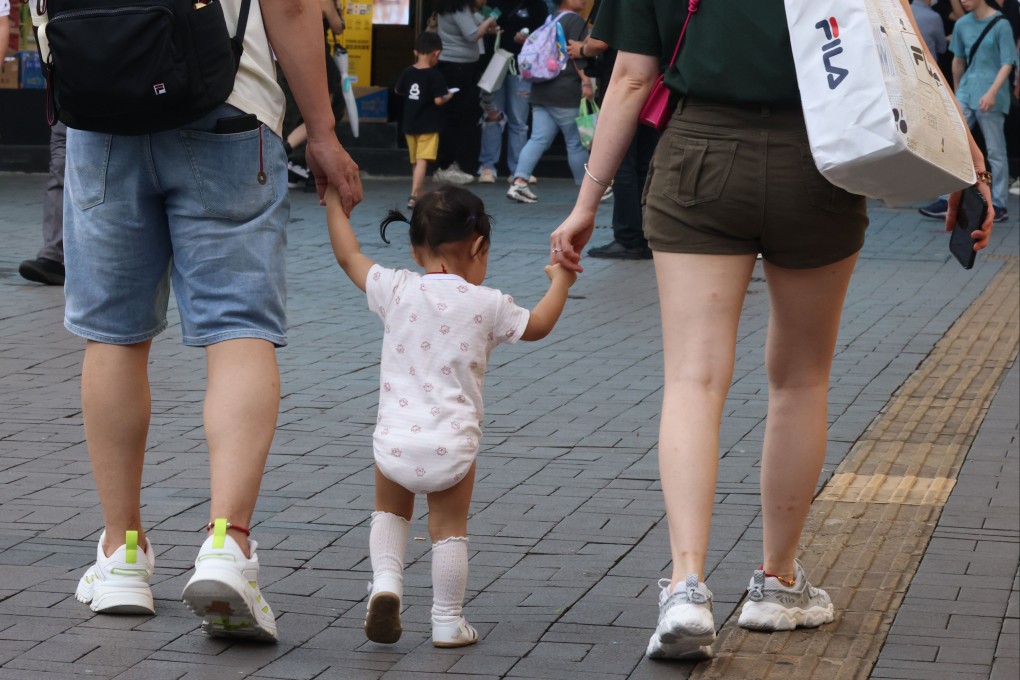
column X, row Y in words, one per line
column 294, row 28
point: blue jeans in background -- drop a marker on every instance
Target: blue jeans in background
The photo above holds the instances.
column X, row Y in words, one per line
column 546, row 121
column 993, row 128
column 512, row 99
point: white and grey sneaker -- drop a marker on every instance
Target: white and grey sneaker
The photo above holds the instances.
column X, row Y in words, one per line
column 453, row 175
column 224, row 590
column 521, row 193
column 686, row 628
column 773, row 606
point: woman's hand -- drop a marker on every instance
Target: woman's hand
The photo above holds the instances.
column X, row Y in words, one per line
column 983, row 235
column 587, row 89
column 569, row 239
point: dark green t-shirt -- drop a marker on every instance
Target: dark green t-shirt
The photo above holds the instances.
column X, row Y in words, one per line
column 734, row 50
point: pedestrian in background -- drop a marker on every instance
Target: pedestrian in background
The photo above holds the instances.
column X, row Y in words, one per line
column 507, row 107
column 554, row 106
column 424, row 91
column 461, row 28
column 729, row 180
column 984, row 54
column 48, row 265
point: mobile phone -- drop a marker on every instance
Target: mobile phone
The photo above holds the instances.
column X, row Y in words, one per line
column 232, row 124
column 453, row 90
column 969, row 218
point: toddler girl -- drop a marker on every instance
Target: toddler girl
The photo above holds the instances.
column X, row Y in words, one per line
column 439, row 329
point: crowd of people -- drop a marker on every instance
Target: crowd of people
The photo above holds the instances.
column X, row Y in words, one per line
column 132, row 235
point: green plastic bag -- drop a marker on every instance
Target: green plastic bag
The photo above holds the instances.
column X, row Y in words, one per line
column 587, row 117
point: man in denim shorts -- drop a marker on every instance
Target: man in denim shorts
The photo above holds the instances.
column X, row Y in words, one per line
column 203, row 209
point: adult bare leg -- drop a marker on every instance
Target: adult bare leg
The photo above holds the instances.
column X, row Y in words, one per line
column 116, row 409
column 700, row 298
column 241, row 405
column 803, row 326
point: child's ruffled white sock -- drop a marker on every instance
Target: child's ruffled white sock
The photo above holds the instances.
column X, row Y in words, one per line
column 449, row 578
column 387, row 544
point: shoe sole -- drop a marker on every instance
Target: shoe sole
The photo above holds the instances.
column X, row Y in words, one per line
column 218, row 598
column 382, row 624
column 451, row 645
column 769, row 616
column 117, row 600
column 688, row 648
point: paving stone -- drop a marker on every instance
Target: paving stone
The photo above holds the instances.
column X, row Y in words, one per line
column 567, row 528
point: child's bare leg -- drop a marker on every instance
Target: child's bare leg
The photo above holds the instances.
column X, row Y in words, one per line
column 387, row 545
column 418, row 176
column 448, row 511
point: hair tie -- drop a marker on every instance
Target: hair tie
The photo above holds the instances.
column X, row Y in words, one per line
column 406, row 221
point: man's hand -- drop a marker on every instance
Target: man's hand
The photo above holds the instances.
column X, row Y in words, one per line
column 331, row 164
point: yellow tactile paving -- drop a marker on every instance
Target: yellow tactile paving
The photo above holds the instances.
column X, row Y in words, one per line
column 869, row 526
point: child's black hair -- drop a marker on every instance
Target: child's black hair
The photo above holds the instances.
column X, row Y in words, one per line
column 428, row 42
column 447, row 215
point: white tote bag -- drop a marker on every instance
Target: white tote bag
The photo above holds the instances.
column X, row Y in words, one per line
column 880, row 121
column 495, row 73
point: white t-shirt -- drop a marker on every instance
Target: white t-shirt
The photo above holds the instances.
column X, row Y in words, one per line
column 5, row 8
column 439, row 330
column 255, row 89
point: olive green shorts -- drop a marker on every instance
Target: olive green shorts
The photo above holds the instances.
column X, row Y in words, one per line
column 739, row 179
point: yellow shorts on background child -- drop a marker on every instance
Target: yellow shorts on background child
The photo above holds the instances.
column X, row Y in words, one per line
column 423, row 147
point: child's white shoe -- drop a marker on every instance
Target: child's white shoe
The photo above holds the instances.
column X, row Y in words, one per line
column 382, row 624
column 456, row 633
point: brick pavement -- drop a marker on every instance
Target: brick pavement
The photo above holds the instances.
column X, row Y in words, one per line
column 567, row 530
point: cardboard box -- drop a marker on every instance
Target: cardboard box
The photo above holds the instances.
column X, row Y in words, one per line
column 373, row 103
column 9, row 74
column 30, row 69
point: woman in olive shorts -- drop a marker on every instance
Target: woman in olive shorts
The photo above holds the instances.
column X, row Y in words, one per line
column 732, row 177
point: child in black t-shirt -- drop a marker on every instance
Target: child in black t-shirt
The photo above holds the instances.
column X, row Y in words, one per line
column 424, row 90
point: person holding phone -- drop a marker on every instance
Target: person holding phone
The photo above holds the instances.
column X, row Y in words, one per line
column 710, row 208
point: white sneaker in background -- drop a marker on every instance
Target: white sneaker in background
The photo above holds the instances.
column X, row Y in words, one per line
column 224, row 590
column 521, row 193
column 119, row 584
column 487, row 176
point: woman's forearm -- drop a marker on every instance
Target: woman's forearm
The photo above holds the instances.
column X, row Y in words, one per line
column 633, row 77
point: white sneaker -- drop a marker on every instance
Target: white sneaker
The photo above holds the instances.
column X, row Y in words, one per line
column 453, row 175
column 606, row 195
column 224, row 591
column 487, row 176
column 457, row 633
column 521, row 193
column 1014, row 188
column 382, row 623
column 119, row 584
column 686, row 628
column 773, row 606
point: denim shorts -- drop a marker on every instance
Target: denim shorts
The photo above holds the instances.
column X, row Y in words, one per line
column 205, row 211
column 731, row 179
